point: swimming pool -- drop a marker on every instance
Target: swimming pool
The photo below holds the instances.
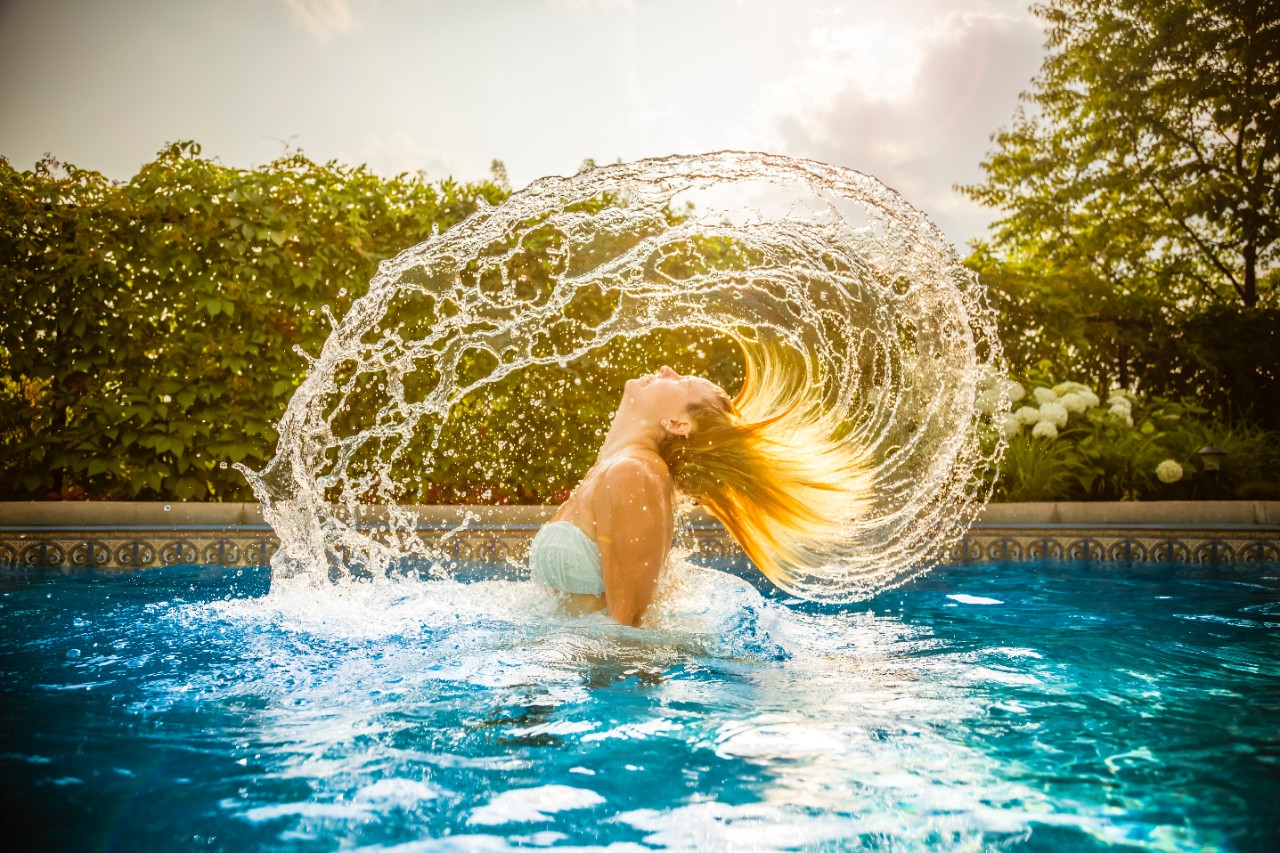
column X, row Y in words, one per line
column 1046, row 706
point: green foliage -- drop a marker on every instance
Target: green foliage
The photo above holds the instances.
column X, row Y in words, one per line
column 1120, row 460
column 1218, row 354
column 153, row 332
column 1251, row 468
column 530, row 435
column 1227, row 359
column 152, row 327
column 158, row 330
column 1149, row 155
column 1035, row 470
column 1138, row 241
column 1111, row 450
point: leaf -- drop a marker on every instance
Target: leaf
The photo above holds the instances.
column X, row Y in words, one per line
column 188, row 488
column 238, row 452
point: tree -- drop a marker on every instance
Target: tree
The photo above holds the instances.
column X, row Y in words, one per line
column 498, row 174
column 1149, row 155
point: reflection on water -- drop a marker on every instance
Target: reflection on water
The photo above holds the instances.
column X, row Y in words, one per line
column 1081, row 709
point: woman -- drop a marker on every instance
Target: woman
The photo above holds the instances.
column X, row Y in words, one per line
column 765, row 463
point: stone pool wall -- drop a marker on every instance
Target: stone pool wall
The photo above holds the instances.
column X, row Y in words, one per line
column 43, row 537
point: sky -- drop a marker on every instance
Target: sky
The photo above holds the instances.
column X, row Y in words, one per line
column 908, row 91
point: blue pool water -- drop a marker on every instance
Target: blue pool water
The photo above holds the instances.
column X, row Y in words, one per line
column 1050, row 708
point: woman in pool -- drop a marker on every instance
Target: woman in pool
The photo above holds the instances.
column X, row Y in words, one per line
column 765, row 463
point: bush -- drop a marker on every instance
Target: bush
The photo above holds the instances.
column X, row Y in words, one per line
column 1220, row 355
column 159, row 327
column 1068, row 443
column 153, row 328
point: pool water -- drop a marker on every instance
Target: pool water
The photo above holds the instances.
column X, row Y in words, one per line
column 1050, row 707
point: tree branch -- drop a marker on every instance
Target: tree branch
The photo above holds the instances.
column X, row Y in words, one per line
column 1208, row 253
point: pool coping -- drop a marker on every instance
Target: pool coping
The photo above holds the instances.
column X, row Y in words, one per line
column 161, row 514
column 43, row 537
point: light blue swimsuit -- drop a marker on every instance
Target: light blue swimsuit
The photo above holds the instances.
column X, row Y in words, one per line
column 565, row 558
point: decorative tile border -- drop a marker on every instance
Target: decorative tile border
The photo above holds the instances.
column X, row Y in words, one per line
column 44, row 550
column 35, row 551
column 1199, row 546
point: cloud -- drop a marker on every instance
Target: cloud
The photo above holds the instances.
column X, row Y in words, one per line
column 324, row 18
column 588, row 5
column 913, row 109
column 391, row 155
column 879, row 61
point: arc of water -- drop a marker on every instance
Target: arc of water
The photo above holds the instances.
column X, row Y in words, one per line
column 827, row 259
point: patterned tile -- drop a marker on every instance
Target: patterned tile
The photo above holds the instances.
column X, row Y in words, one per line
column 44, row 550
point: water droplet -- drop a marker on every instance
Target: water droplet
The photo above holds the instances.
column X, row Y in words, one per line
column 816, row 264
column 167, row 507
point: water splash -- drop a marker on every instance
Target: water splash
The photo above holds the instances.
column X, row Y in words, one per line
column 826, row 260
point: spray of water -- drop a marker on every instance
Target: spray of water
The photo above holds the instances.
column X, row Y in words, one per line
column 825, row 261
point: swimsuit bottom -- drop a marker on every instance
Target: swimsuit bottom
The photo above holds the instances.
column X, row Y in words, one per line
column 565, row 558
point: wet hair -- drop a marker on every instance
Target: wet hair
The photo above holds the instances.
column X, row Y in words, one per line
column 770, row 464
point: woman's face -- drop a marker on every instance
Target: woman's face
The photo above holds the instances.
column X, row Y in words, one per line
column 666, row 397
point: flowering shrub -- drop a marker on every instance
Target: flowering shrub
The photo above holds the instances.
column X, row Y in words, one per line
column 1065, row 442
column 1045, row 429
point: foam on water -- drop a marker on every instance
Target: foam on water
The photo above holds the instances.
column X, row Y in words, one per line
column 855, row 720
column 363, row 651
column 824, row 260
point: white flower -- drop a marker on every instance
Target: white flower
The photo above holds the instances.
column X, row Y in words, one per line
column 1073, row 401
column 1055, row 412
column 1045, row 429
column 989, row 401
column 1015, row 391
column 1044, row 395
column 1064, row 388
column 1090, row 398
column 1120, row 397
column 1028, row 415
column 1122, row 402
column 1169, row 471
column 1121, row 414
column 1011, row 426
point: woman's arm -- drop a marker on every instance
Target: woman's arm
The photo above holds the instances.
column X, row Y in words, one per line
column 631, row 510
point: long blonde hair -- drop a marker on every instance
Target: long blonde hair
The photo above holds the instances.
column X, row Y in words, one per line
column 770, row 465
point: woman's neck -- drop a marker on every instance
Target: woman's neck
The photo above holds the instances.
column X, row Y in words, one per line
column 627, row 436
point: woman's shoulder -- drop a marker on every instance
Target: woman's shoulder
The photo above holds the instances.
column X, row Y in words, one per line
column 638, row 467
